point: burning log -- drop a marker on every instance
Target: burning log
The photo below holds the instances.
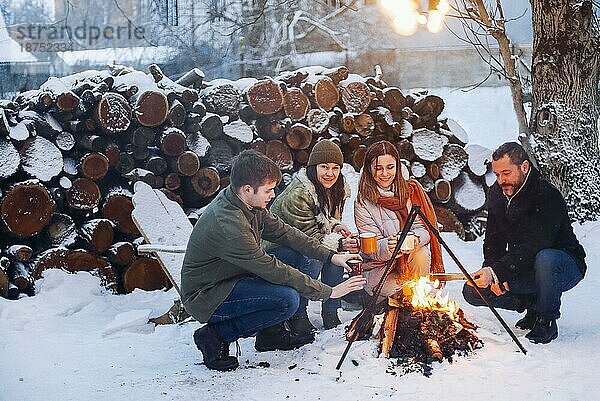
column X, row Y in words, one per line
column 421, row 327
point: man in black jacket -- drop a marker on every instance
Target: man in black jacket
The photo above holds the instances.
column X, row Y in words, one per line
column 531, row 255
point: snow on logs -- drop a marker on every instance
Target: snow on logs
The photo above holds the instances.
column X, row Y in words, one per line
column 71, row 151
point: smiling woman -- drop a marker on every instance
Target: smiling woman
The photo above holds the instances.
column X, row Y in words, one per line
column 385, row 196
column 313, row 203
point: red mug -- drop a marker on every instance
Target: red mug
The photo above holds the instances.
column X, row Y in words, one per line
column 356, row 265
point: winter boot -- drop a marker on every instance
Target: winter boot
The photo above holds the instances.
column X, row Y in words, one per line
column 330, row 319
column 279, row 337
column 528, row 321
column 543, row 331
column 214, row 350
column 300, row 324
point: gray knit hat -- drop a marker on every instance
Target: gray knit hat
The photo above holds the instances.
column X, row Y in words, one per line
column 325, row 151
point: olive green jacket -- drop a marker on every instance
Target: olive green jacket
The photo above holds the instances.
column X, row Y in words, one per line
column 298, row 206
column 225, row 247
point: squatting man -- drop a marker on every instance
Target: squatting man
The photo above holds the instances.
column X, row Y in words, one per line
column 232, row 284
column 531, row 255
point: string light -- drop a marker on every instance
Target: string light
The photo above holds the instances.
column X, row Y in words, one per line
column 407, row 15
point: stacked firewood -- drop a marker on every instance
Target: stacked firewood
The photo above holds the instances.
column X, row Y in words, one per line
column 72, row 149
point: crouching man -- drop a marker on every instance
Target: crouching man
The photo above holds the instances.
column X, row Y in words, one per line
column 531, row 255
column 229, row 282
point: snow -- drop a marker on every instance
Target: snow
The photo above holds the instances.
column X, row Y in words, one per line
column 9, row 159
column 485, row 113
column 479, row 156
column 75, row 341
column 239, row 130
column 197, row 143
column 11, row 50
column 427, row 144
column 453, row 160
column 161, row 222
column 41, row 158
column 468, row 194
column 123, row 55
column 19, row 132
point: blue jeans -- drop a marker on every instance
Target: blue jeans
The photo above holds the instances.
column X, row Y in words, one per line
column 331, row 275
column 252, row 305
column 311, row 267
column 555, row 272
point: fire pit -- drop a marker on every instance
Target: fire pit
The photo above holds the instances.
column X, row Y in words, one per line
column 422, row 326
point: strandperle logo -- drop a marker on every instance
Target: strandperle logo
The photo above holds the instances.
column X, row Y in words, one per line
column 82, row 32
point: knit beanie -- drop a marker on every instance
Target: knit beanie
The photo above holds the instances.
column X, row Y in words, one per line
column 325, row 151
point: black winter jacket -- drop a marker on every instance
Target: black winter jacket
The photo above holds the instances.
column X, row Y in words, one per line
column 535, row 218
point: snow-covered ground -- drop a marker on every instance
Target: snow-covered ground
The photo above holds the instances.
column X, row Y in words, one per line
column 75, row 341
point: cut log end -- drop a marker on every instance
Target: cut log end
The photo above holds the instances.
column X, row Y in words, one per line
column 27, row 208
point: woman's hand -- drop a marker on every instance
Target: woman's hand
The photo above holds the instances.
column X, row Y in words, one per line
column 354, row 283
column 341, row 229
column 391, row 243
column 350, row 244
column 393, row 240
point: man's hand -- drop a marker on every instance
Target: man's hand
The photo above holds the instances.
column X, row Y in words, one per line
column 354, row 283
column 342, row 230
column 483, row 277
column 340, row 260
column 499, row 289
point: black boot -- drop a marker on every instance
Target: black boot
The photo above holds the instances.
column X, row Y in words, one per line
column 279, row 337
column 330, row 319
column 528, row 321
column 543, row 331
column 214, row 350
column 300, row 324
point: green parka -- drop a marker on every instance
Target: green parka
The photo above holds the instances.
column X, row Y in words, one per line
column 225, row 246
column 298, row 206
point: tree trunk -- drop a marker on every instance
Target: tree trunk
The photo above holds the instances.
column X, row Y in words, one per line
column 566, row 104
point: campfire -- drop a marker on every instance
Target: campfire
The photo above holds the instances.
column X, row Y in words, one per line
column 423, row 326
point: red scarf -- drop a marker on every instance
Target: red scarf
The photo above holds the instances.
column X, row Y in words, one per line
column 418, row 197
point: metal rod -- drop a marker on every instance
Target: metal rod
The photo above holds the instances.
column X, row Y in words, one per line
column 472, row 282
column 361, row 320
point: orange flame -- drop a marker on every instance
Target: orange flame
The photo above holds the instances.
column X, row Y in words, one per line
column 425, row 294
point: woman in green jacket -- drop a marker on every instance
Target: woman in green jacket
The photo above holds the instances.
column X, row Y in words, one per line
column 313, row 202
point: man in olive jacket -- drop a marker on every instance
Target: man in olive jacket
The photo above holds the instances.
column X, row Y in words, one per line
column 531, row 255
column 228, row 280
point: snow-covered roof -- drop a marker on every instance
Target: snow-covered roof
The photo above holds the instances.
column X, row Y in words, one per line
column 10, row 51
column 120, row 55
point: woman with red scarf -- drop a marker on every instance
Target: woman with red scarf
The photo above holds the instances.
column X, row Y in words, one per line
column 385, row 196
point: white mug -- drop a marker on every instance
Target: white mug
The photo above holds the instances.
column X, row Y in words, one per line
column 409, row 242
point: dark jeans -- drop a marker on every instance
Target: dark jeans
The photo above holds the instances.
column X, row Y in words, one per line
column 252, row 305
column 330, row 274
column 555, row 272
